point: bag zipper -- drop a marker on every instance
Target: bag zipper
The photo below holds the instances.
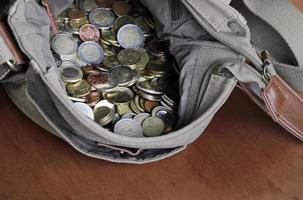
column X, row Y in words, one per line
column 217, row 36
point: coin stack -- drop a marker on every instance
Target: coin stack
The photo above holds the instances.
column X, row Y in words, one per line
column 115, row 69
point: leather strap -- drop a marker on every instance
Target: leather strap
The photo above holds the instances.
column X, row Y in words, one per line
column 11, row 57
column 284, row 105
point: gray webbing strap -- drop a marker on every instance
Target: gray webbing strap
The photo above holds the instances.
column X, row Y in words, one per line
column 5, row 57
column 285, row 18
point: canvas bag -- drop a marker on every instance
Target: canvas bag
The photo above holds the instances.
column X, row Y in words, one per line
column 210, row 41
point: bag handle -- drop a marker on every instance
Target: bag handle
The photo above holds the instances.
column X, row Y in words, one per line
column 11, row 57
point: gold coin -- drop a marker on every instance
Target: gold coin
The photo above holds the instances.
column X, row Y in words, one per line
column 110, row 61
column 123, row 20
column 119, row 95
column 144, row 59
column 129, row 57
column 79, row 89
column 123, row 109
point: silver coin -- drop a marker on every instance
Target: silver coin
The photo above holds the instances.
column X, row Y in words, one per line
column 105, row 103
column 130, row 36
column 70, row 74
column 64, row 44
column 74, row 99
column 84, row 109
column 129, row 128
column 123, row 75
column 148, row 87
column 141, row 117
column 102, row 18
column 116, row 118
column 128, row 116
column 91, row 52
column 166, row 115
column 153, row 127
column 150, row 97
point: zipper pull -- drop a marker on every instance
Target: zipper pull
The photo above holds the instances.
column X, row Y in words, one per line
column 266, row 75
column 51, row 16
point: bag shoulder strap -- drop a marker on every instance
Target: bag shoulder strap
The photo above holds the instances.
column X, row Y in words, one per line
column 285, row 18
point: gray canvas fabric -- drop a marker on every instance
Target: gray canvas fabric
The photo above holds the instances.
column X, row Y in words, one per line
column 208, row 39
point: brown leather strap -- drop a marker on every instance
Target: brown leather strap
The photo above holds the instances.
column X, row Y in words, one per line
column 11, row 44
column 284, row 105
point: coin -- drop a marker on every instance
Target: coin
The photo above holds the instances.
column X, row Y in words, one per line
column 142, row 24
column 128, row 116
column 121, row 8
column 130, row 36
column 119, row 95
column 138, row 104
column 123, row 20
column 116, row 118
column 108, row 37
column 75, row 14
column 150, row 105
column 64, row 44
column 108, row 4
column 110, row 61
column 129, row 128
column 166, row 115
column 87, row 5
column 97, row 80
column 148, row 87
column 144, row 59
column 153, row 127
column 101, row 67
column 105, row 103
column 122, row 74
column 90, row 69
column 79, row 89
column 102, row 18
column 158, row 67
column 150, row 97
column 70, row 74
column 92, row 99
column 141, row 117
column 84, row 109
column 91, row 52
column 134, row 107
column 103, row 115
column 129, row 57
column 89, row 32
column 122, row 109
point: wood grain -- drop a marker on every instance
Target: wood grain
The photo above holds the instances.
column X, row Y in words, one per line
column 242, row 155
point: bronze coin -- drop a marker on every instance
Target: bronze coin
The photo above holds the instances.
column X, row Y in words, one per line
column 92, row 99
column 89, row 69
column 121, row 8
column 75, row 14
column 89, row 32
column 150, row 105
column 96, row 79
column 105, row 3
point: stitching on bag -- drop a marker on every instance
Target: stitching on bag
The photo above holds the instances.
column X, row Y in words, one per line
column 284, row 102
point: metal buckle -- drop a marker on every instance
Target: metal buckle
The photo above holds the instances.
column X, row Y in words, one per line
column 13, row 66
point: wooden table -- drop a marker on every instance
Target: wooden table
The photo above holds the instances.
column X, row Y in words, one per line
column 242, row 155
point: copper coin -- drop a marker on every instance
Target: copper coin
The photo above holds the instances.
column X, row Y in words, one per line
column 121, row 8
column 150, row 105
column 89, row 32
column 97, row 79
column 105, row 3
column 90, row 69
column 75, row 14
column 93, row 98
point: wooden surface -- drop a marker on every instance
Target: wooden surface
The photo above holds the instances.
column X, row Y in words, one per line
column 242, row 155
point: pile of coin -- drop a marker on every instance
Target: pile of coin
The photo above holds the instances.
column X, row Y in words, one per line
column 115, row 69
